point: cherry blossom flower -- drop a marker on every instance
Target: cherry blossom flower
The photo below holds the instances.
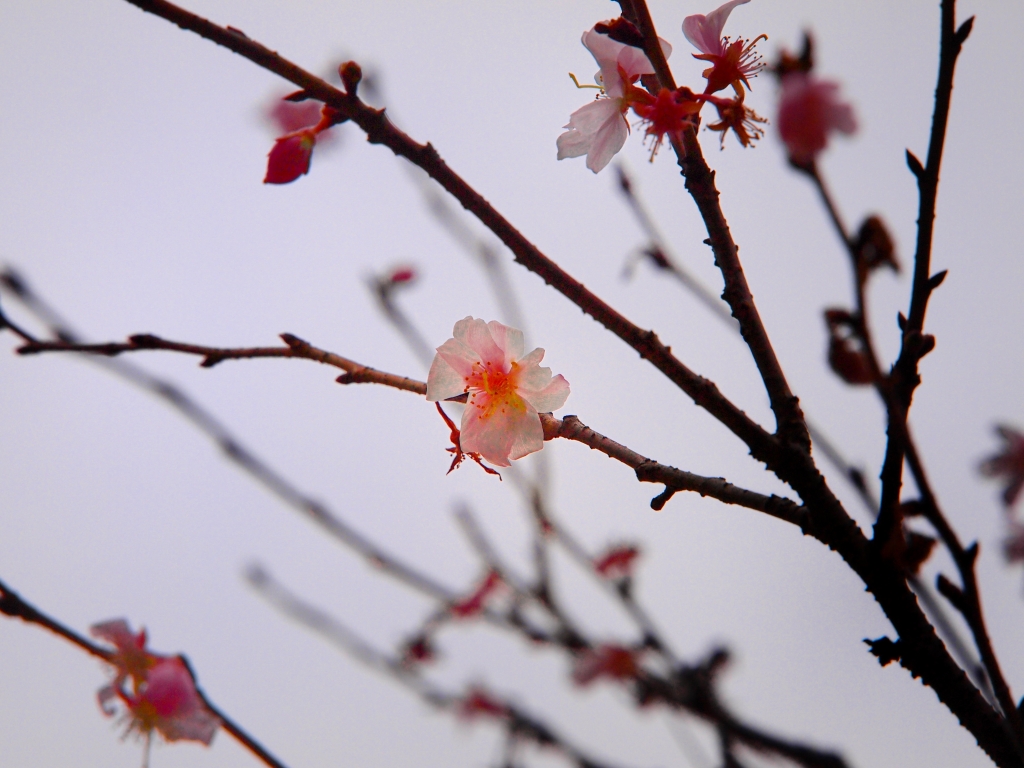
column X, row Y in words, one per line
column 810, row 110
column 507, row 389
column 599, row 129
column 732, row 63
column 612, row 661
column 734, row 115
column 157, row 692
column 667, row 114
column 1008, row 465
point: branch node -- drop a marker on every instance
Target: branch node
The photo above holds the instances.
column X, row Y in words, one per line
column 145, row 341
column 658, row 502
column 293, row 341
column 951, row 592
column 884, row 649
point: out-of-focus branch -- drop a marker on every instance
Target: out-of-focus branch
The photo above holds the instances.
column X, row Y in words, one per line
column 657, row 252
column 517, row 723
column 232, row 447
column 11, row 604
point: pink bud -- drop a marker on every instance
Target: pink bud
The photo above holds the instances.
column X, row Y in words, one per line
column 617, row 562
column 474, row 604
column 290, row 156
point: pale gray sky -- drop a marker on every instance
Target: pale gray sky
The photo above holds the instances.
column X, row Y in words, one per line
column 131, row 155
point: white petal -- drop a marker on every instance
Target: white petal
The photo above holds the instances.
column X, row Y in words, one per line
column 604, row 50
column 477, row 336
column 573, row 143
column 590, row 117
column 509, row 340
column 443, row 381
column 609, row 140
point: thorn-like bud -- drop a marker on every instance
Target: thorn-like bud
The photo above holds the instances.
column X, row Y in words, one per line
column 914, row 164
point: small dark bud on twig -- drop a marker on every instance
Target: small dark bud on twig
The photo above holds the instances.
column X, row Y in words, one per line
column 351, row 75
column 874, row 247
column 787, row 62
column 936, row 280
column 914, row 164
column 964, row 31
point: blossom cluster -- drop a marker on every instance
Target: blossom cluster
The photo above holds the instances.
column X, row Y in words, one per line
column 599, row 129
column 809, row 109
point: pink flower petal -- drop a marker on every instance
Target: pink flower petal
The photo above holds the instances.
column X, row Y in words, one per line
column 443, row 381
column 510, row 340
column 552, row 397
column 475, row 334
column 705, row 32
column 501, row 431
column 607, row 142
column 118, row 633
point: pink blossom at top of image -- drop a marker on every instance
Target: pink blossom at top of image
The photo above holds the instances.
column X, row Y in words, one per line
column 732, row 63
column 599, row 129
column 810, row 110
column 507, row 389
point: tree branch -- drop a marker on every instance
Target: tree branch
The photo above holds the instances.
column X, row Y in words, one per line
column 700, row 183
column 379, row 130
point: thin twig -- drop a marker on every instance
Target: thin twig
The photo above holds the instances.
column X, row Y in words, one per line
column 700, row 183
column 649, row 471
column 905, row 377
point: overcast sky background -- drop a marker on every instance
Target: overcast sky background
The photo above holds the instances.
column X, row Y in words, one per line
column 131, row 156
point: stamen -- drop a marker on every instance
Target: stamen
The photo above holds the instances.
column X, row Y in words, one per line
column 577, row 83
